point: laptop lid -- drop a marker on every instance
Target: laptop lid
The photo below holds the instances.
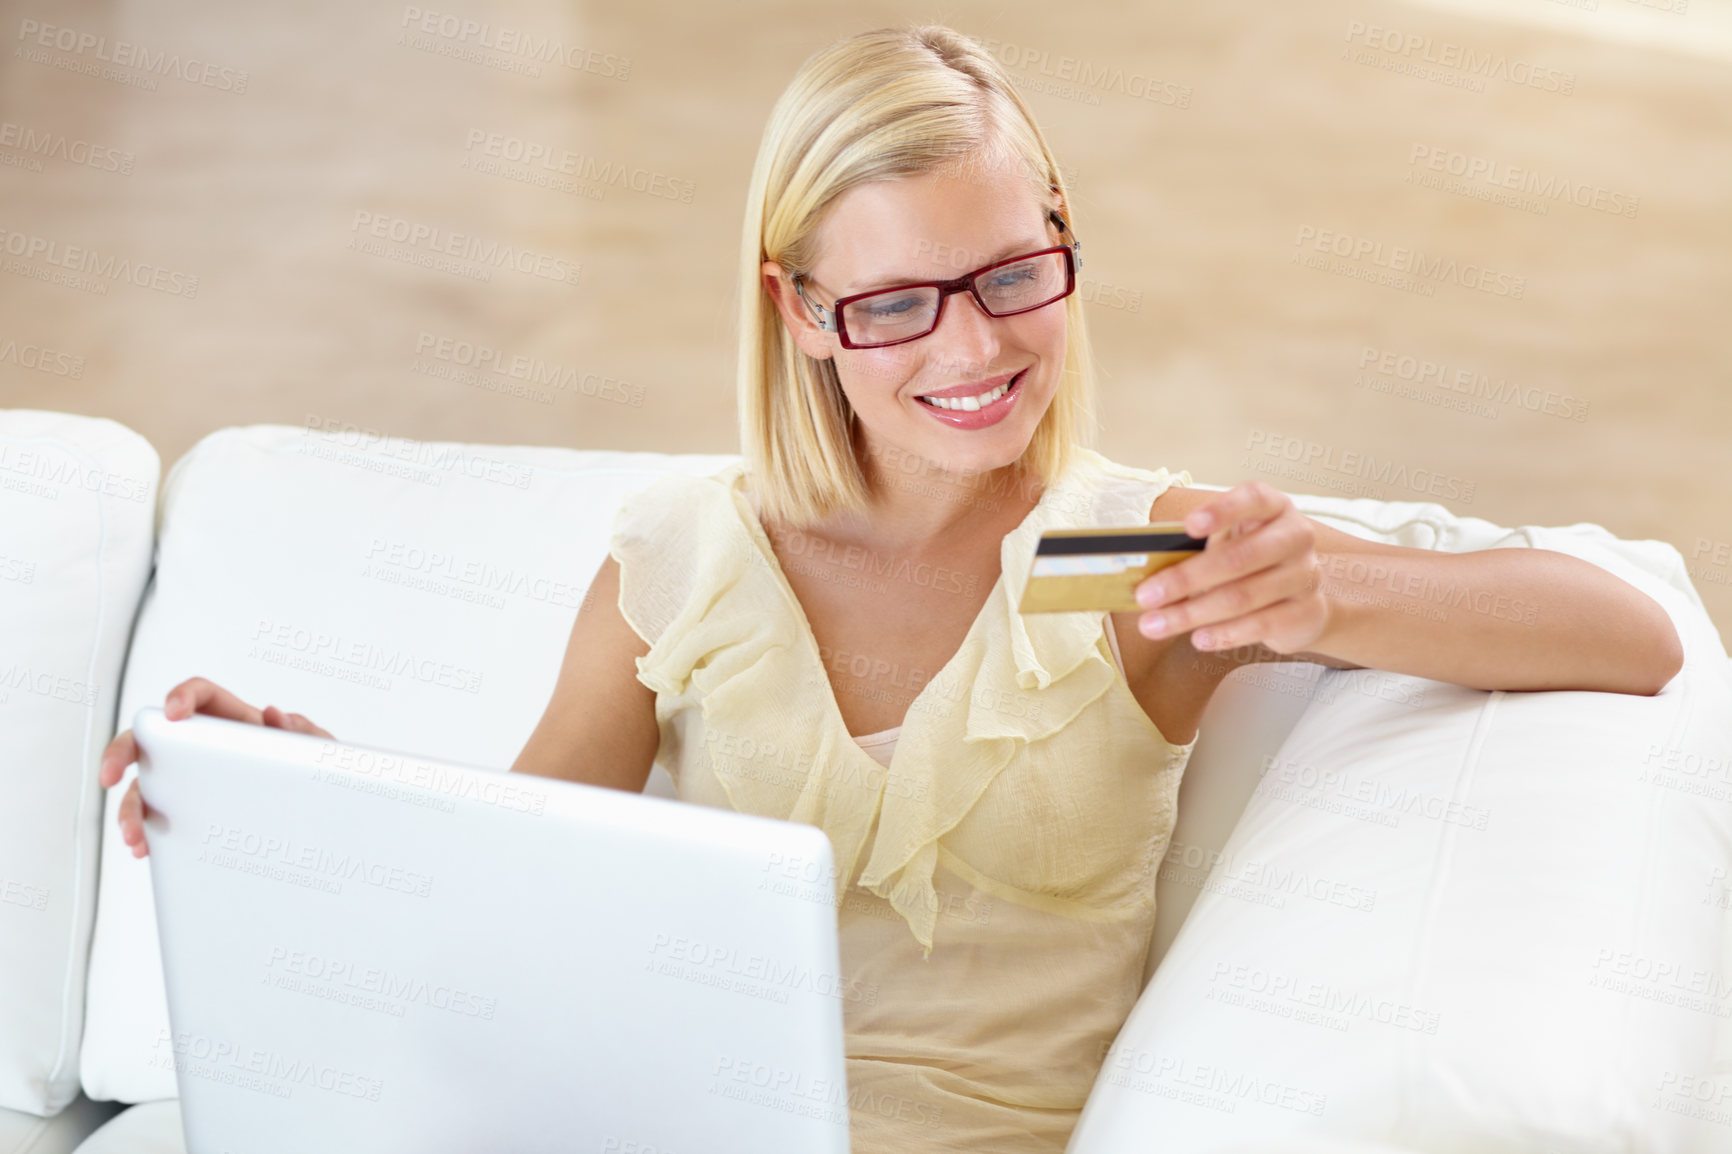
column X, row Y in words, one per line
column 376, row 952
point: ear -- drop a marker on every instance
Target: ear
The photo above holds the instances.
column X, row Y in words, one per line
column 796, row 317
column 1058, row 204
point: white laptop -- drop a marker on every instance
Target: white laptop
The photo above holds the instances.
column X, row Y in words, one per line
column 374, row 953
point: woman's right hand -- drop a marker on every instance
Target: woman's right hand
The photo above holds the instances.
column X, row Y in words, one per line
column 194, row 695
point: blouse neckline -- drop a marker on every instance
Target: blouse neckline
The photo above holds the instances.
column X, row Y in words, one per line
column 749, row 514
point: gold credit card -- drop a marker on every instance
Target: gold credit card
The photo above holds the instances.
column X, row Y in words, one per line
column 1100, row 568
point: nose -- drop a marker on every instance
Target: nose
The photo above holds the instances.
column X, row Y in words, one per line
column 966, row 334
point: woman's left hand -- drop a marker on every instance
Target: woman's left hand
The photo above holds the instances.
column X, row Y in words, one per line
column 1257, row 580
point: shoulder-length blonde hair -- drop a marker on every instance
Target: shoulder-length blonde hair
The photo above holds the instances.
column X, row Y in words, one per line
column 876, row 106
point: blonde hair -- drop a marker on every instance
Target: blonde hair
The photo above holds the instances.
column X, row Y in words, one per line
column 877, row 106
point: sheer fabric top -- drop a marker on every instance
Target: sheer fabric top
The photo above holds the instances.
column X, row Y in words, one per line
column 995, row 871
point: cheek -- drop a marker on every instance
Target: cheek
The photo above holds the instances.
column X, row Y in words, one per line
column 1044, row 335
column 866, row 374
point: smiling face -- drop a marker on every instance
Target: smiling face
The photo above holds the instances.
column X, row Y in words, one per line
column 996, row 375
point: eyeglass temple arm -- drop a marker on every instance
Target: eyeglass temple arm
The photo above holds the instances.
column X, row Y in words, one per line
column 826, row 318
column 1075, row 244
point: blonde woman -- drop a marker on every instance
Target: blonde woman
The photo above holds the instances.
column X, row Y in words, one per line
column 828, row 632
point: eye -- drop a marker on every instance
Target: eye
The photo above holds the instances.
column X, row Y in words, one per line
column 1015, row 274
column 896, row 307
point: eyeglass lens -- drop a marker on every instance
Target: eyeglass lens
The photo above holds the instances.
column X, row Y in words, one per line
column 901, row 314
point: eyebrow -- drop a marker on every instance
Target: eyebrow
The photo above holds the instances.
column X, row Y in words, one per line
column 1004, row 253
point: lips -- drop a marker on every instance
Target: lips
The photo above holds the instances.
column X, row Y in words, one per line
column 970, row 397
column 972, row 389
column 979, row 416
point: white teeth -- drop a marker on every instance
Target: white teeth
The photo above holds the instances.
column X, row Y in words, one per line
column 969, row 404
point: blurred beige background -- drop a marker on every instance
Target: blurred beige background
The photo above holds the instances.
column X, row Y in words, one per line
column 1484, row 241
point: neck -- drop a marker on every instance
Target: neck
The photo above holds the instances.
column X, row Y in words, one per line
column 916, row 504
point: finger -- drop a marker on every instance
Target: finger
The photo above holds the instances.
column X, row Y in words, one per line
column 199, row 695
column 1222, row 560
column 1267, row 626
column 305, row 725
column 130, row 803
column 1229, row 602
column 296, row 722
column 120, row 753
column 1251, row 500
column 132, row 818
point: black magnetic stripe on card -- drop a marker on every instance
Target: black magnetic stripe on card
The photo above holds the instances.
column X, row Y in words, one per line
column 1127, row 543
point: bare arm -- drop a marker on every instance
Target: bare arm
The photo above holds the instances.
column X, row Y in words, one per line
column 1512, row 619
column 600, row 724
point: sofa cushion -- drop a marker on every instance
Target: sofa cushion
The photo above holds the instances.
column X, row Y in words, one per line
column 1256, row 707
column 411, row 595
column 1459, row 920
column 77, row 501
column 153, row 1128
column 22, row 1133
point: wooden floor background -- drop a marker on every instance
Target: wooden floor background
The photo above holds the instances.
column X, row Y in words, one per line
column 249, row 149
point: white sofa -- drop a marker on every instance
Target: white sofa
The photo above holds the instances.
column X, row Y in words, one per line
column 1396, row 915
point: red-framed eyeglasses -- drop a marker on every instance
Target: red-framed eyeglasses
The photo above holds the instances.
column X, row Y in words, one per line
column 893, row 316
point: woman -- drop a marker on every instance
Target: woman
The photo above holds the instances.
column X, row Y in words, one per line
column 915, row 400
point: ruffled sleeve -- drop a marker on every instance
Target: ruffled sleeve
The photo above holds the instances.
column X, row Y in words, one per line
column 676, row 559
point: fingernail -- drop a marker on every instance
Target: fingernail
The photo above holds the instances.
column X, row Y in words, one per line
column 1154, row 625
column 1151, row 594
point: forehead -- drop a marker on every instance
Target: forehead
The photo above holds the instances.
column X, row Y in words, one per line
column 933, row 225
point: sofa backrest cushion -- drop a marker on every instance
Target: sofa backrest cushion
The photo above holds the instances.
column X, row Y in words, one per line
column 411, row 595
column 77, row 499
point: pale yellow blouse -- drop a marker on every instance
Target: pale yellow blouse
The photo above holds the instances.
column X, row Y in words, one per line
column 995, row 881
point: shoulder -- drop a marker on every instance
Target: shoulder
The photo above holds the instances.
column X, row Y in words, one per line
column 1177, row 502
column 674, row 497
column 681, row 523
column 674, row 481
column 684, row 543
column 1119, row 494
column 1090, row 462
